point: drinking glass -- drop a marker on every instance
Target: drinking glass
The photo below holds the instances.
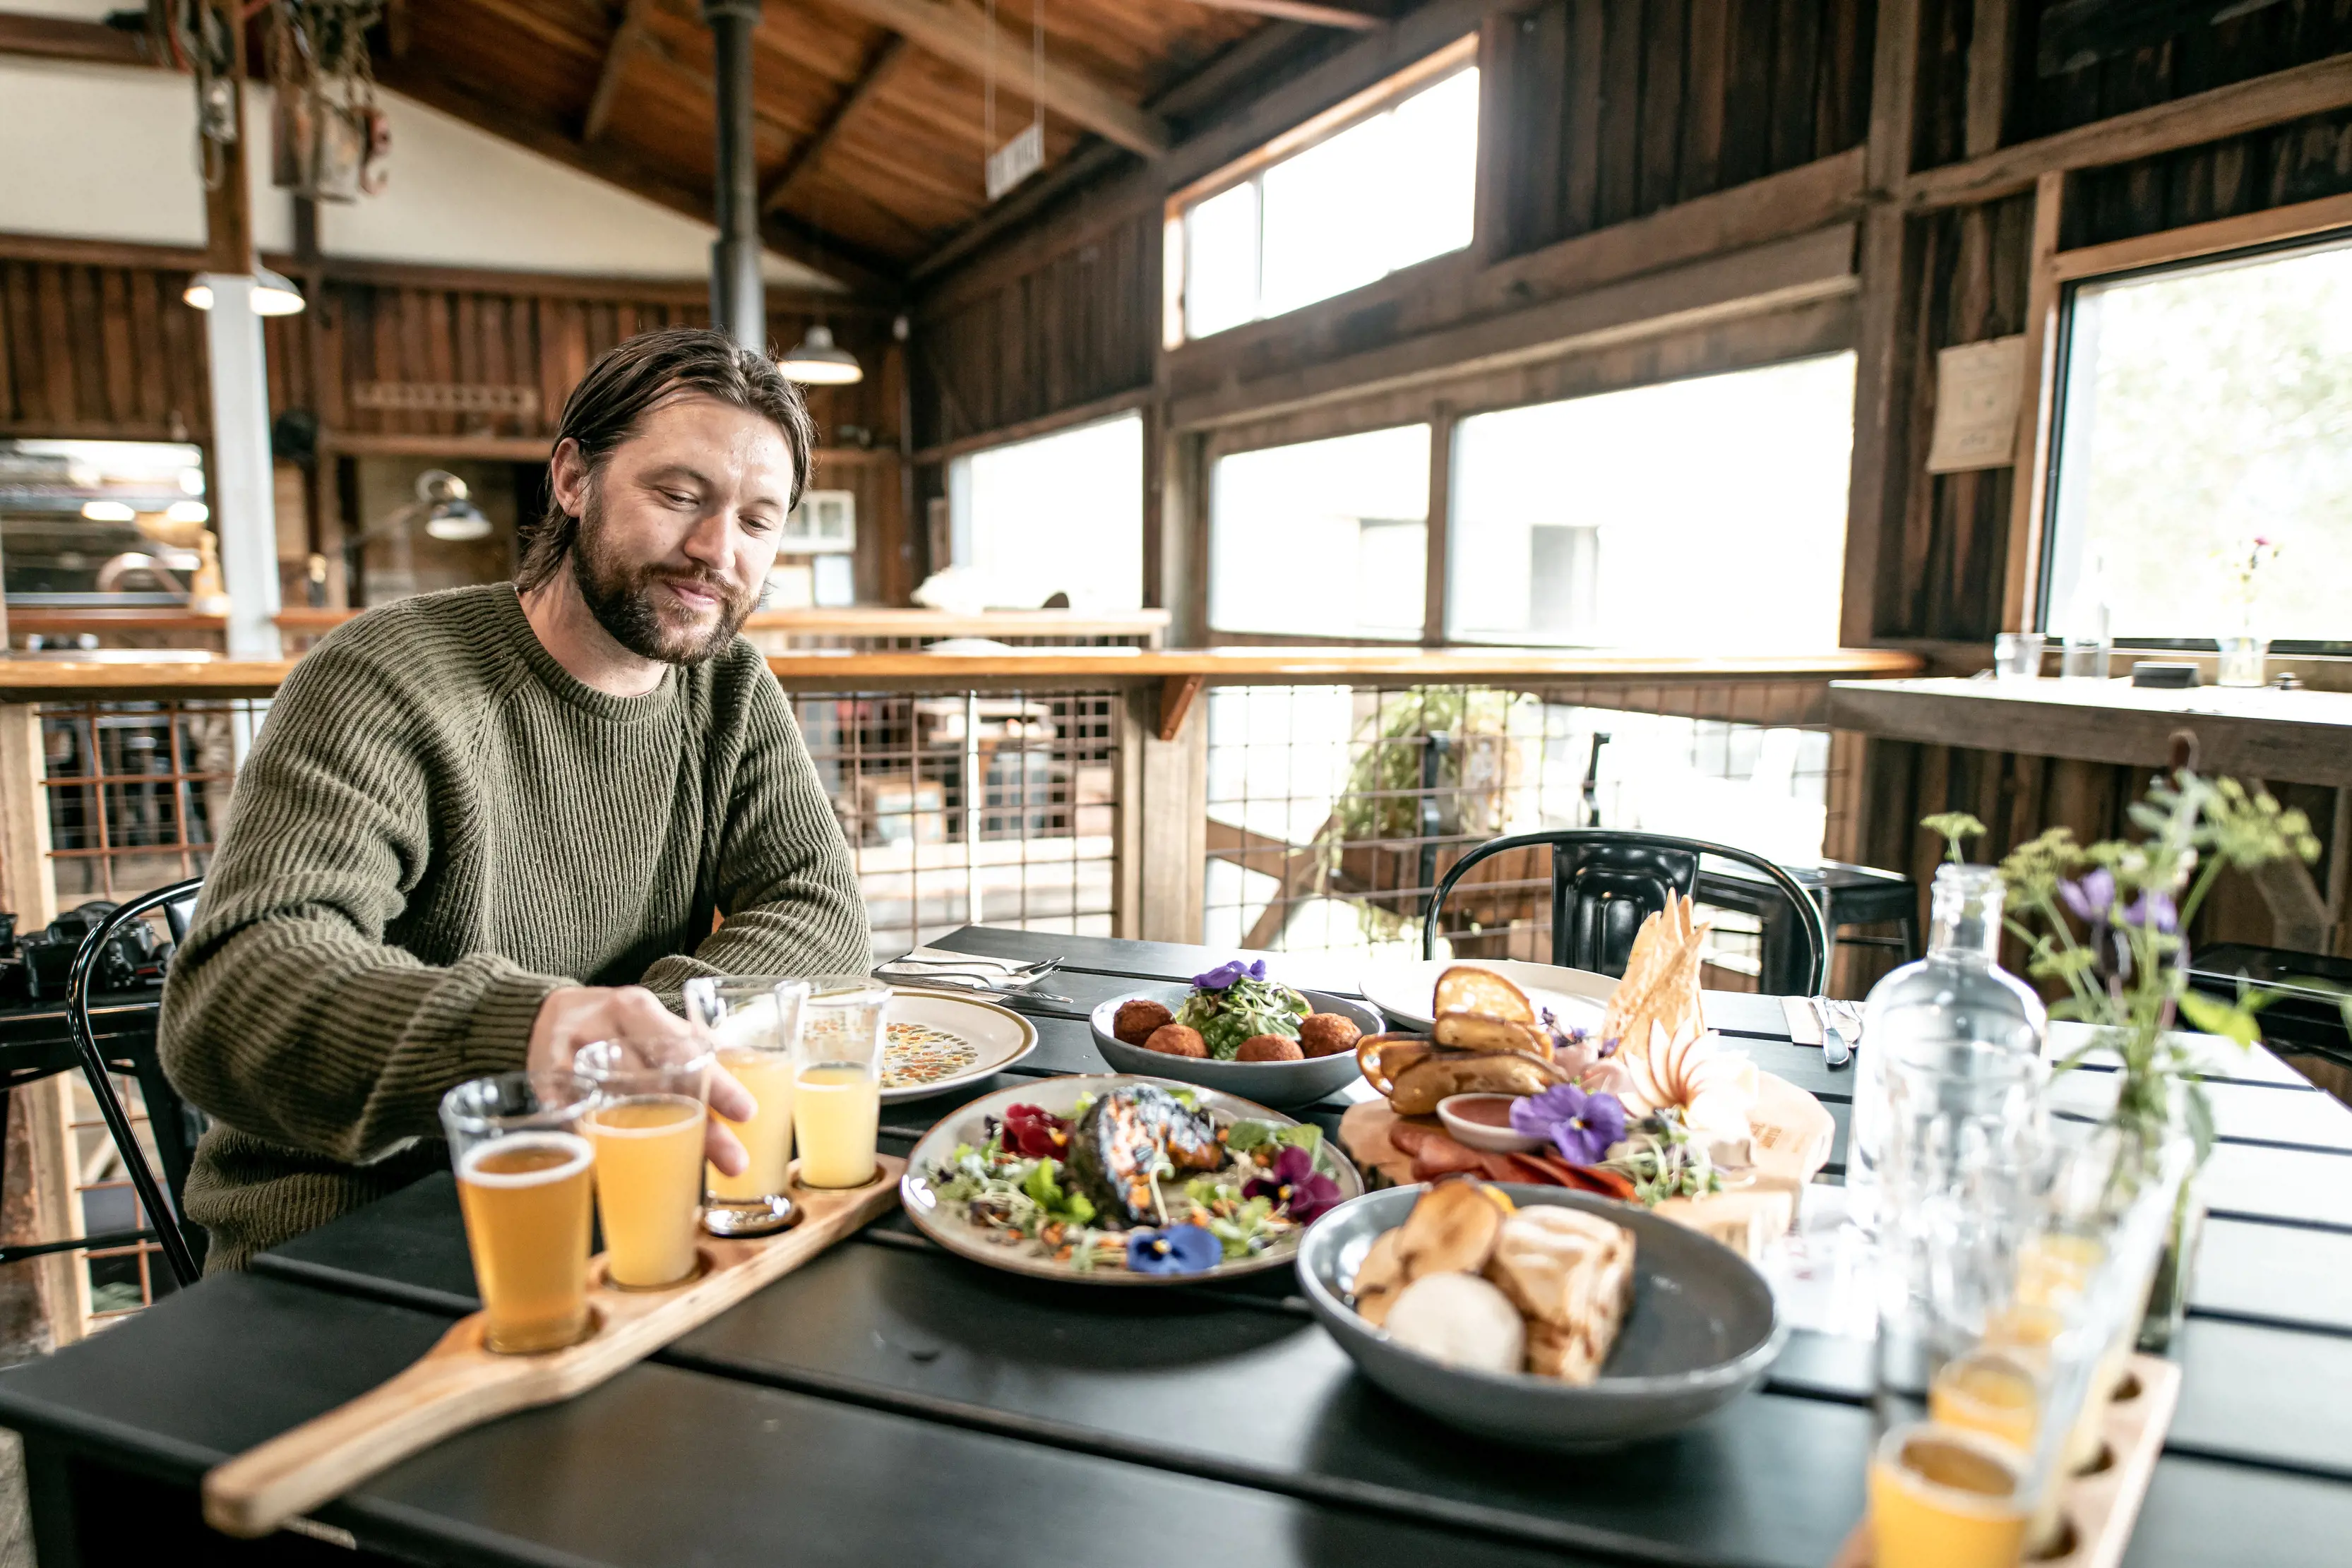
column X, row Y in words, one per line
column 2017, row 656
column 646, row 1126
column 838, row 1080
column 1943, row 1497
column 2241, row 661
column 753, row 1024
column 523, row 1185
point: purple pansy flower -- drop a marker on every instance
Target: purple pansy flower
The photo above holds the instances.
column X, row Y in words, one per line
column 1302, row 1191
column 1226, row 973
column 2091, row 897
column 1177, row 1249
column 2154, row 909
column 1581, row 1126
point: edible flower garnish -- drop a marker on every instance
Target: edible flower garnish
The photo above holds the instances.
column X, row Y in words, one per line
column 1226, row 973
column 1296, row 1184
column 1033, row 1133
column 1177, row 1249
column 1581, row 1126
column 1664, row 1161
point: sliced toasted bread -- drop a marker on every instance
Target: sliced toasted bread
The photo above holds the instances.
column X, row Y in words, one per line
column 1467, row 989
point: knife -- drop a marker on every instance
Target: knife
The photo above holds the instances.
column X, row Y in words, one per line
column 1837, row 1046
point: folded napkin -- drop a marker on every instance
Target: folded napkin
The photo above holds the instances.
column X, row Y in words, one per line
column 935, row 960
column 1804, row 1019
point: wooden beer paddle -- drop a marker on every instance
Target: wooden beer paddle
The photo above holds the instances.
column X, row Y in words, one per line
column 459, row 1383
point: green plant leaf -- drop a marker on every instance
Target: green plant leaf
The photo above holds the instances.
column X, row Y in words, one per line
column 2230, row 1021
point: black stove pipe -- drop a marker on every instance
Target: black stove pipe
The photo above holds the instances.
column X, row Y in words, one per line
column 738, row 300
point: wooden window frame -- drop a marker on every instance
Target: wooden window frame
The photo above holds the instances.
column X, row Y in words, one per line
column 1461, row 55
column 2055, row 274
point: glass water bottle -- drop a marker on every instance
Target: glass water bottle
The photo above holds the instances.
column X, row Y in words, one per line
column 1963, row 1035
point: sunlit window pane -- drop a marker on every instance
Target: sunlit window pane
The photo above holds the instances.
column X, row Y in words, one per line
column 1704, row 514
column 1394, row 189
column 1062, row 513
column 1433, row 146
column 2207, row 407
column 1221, row 262
column 1325, row 538
column 1329, row 214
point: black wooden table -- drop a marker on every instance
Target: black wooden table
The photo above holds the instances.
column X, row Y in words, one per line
column 890, row 1404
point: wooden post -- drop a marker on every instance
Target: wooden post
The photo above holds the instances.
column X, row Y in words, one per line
column 2028, row 490
column 1880, row 479
column 1171, row 816
column 1439, row 570
column 40, row 1115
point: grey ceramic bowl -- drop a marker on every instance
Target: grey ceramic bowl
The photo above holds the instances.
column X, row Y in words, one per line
column 1703, row 1330
column 1284, row 1085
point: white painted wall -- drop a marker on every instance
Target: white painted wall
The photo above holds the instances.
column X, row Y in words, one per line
column 108, row 153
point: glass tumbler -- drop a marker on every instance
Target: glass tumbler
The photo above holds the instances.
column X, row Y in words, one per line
column 647, row 1127
column 523, row 1186
column 838, row 1080
column 2017, row 656
column 753, row 1024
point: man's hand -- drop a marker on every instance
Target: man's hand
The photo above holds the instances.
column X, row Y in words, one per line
column 580, row 1015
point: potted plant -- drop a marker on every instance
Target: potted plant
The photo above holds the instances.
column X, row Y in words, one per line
column 2107, row 924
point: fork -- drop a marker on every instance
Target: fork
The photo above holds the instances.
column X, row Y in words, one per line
column 979, row 985
column 1841, row 1032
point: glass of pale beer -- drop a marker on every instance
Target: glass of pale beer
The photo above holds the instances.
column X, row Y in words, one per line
column 523, row 1185
column 753, row 1024
column 838, row 1080
column 647, row 1127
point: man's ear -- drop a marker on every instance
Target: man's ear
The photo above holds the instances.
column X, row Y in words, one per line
column 567, row 476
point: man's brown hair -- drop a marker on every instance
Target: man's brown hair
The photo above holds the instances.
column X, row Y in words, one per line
column 619, row 389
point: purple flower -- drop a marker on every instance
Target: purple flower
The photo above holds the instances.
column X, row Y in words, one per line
column 1226, row 973
column 1295, row 1186
column 2091, row 897
column 2154, row 910
column 1581, row 1126
column 1178, row 1249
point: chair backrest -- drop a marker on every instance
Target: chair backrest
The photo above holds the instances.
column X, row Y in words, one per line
column 1606, row 881
column 170, row 1118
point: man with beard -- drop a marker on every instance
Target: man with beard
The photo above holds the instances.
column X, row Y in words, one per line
column 483, row 828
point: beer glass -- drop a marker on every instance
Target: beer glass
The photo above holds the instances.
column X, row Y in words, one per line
column 753, row 1024
column 647, row 1127
column 1944, row 1498
column 838, row 1080
column 522, row 1185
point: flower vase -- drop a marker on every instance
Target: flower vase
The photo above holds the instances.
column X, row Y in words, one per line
column 2241, row 661
column 2176, row 1272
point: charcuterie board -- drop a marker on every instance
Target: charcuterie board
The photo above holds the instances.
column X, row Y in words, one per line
column 460, row 1384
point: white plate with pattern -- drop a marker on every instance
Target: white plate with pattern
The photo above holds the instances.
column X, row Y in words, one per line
column 936, row 1040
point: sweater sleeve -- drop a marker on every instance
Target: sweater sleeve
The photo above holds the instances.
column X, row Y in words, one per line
column 287, row 1014
column 785, row 883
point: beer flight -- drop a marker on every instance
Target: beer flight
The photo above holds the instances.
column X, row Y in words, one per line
column 621, row 1134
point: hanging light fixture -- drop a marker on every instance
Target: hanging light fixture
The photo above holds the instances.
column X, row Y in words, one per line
column 450, row 514
column 273, row 294
column 820, row 363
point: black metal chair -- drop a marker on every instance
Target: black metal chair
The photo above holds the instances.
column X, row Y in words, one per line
column 174, row 1123
column 1606, row 881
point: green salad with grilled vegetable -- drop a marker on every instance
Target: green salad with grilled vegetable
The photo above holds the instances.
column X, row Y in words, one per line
column 1235, row 1001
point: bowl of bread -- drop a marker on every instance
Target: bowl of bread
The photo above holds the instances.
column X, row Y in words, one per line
column 1538, row 1315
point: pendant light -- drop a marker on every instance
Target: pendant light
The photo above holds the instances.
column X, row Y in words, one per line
column 820, row 363
column 273, row 294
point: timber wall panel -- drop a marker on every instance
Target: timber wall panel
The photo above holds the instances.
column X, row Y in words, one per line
column 91, row 350
column 2299, row 162
column 2292, row 33
column 1620, row 107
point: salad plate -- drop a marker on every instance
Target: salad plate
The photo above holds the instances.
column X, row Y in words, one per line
column 1406, row 992
column 1286, row 1085
column 934, row 1041
column 1212, row 1198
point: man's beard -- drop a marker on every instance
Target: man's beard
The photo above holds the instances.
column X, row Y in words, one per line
column 622, row 598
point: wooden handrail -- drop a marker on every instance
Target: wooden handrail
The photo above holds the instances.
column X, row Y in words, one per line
column 45, row 680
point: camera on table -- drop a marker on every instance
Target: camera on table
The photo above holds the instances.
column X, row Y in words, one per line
column 35, row 966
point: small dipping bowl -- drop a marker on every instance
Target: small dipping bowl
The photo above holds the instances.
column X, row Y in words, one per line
column 1484, row 1122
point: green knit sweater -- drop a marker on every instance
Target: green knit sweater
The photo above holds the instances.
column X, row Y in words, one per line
column 437, row 827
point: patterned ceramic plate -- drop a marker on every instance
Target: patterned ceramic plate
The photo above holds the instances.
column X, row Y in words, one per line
column 937, row 1042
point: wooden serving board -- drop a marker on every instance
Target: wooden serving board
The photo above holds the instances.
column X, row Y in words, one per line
column 459, row 1383
column 2102, row 1506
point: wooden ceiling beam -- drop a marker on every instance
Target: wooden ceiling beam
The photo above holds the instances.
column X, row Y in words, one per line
column 627, row 37
column 880, row 70
column 1307, row 11
column 958, row 33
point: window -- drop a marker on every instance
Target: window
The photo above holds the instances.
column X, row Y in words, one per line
column 113, row 523
column 1325, row 538
column 1059, row 514
column 2204, row 406
column 1395, row 185
column 1701, row 514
